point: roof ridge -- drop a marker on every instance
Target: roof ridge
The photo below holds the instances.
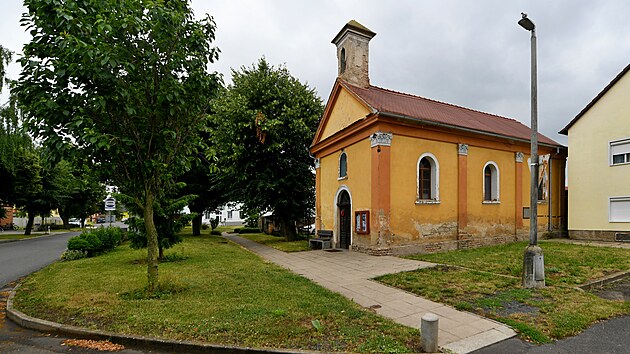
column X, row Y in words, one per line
column 442, row 102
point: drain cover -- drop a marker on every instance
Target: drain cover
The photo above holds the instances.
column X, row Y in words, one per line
column 333, row 250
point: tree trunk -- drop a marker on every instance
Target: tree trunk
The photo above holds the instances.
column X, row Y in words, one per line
column 65, row 218
column 161, row 253
column 288, row 229
column 29, row 223
column 152, row 244
column 196, row 225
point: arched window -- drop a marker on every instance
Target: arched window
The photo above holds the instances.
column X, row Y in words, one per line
column 428, row 179
column 343, row 165
column 424, row 180
column 343, row 60
column 490, row 182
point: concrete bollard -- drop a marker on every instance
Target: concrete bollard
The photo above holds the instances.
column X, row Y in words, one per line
column 429, row 332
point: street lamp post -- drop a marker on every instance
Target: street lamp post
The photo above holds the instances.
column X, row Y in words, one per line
column 533, row 260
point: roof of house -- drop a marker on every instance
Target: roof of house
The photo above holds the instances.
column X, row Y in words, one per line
column 388, row 102
column 565, row 130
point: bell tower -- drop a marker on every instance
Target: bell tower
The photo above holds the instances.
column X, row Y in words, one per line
column 353, row 53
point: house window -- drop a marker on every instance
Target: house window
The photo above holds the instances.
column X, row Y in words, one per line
column 230, row 214
column 620, row 152
column 362, row 222
column 343, row 165
column 343, row 60
column 490, row 182
column 428, row 179
column 619, row 209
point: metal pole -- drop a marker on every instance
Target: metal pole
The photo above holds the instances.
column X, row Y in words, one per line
column 533, row 192
column 533, row 261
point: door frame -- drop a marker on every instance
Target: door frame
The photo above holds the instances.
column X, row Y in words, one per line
column 336, row 234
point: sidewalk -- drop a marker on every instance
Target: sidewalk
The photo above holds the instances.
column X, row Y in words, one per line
column 349, row 274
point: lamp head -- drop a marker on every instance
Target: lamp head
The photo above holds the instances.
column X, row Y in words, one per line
column 526, row 23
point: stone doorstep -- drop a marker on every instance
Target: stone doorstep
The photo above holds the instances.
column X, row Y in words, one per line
column 26, row 321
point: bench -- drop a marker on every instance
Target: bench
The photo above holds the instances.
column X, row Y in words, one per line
column 322, row 241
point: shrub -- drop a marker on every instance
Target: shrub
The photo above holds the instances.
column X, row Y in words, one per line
column 96, row 241
column 248, row 230
column 71, row 255
column 215, row 232
column 204, row 226
column 214, row 222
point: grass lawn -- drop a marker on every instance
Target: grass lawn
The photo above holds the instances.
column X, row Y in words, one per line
column 278, row 243
column 212, row 291
column 490, row 286
column 11, row 236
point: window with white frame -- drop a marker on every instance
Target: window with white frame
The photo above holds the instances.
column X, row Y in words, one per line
column 491, row 182
column 428, row 171
column 343, row 165
column 619, row 209
column 620, row 152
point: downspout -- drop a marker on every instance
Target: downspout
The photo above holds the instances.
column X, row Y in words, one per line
column 549, row 225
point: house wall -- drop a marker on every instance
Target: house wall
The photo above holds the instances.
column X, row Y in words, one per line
column 592, row 180
column 9, row 216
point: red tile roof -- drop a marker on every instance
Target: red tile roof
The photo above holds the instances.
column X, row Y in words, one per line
column 423, row 109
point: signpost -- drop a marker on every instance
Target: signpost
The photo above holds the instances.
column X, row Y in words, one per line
column 110, row 205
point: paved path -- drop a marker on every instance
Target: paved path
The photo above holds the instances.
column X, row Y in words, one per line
column 349, row 274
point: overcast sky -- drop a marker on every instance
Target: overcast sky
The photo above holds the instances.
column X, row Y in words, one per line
column 468, row 53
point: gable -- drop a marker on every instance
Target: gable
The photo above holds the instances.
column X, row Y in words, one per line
column 595, row 100
column 608, row 116
column 342, row 110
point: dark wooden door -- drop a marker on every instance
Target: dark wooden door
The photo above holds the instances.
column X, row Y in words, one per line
column 343, row 204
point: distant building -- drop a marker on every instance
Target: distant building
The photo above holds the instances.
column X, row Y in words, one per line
column 398, row 173
column 8, row 219
column 599, row 165
column 229, row 215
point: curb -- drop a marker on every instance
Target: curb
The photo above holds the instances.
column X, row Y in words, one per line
column 605, row 280
column 37, row 324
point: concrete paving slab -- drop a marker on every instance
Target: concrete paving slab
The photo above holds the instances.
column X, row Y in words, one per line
column 349, row 273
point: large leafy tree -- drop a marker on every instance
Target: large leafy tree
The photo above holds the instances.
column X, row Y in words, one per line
column 209, row 189
column 81, row 191
column 265, row 123
column 127, row 83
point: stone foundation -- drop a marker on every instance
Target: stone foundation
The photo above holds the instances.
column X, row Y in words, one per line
column 595, row 235
column 373, row 251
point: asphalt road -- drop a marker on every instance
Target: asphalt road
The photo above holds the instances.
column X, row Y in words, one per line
column 610, row 337
column 18, row 259
column 23, row 257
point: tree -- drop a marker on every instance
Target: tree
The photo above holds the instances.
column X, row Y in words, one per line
column 169, row 220
column 81, row 188
column 125, row 82
column 209, row 188
column 265, row 122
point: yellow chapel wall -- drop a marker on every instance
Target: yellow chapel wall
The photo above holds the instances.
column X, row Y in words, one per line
column 346, row 110
column 411, row 222
column 489, row 219
column 591, row 178
column 358, row 183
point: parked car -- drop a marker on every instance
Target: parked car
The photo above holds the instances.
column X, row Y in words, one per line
column 100, row 220
column 74, row 222
column 309, row 229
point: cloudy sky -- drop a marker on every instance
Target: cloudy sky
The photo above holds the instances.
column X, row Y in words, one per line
column 469, row 53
